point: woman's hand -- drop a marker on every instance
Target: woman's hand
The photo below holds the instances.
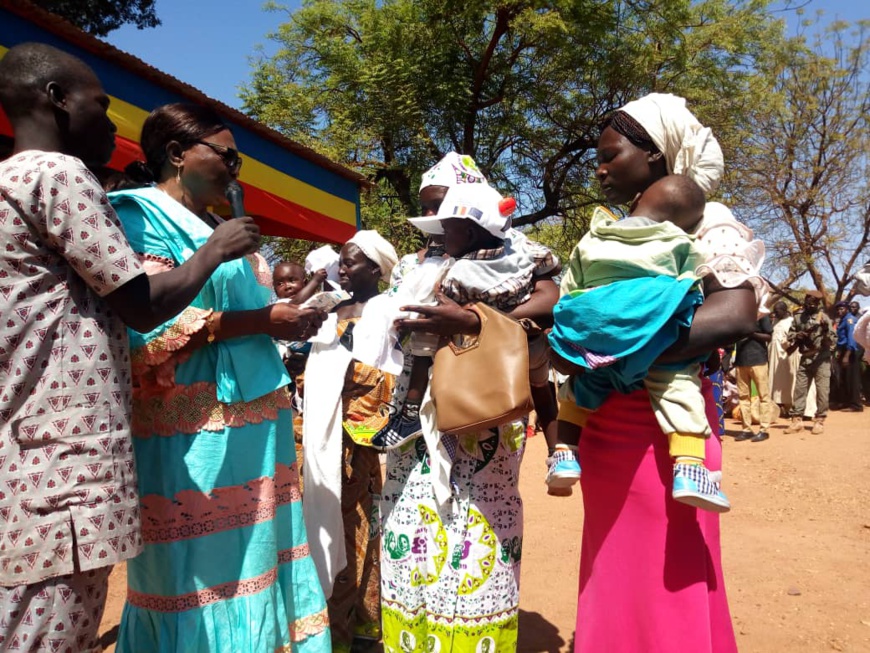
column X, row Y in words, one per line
column 235, row 238
column 446, row 319
column 563, row 365
column 291, row 322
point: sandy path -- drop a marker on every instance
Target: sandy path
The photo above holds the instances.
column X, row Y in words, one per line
column 796, row 545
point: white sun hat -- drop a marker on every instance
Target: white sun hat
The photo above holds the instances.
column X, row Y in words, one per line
column 453, row 170
column 480, row 203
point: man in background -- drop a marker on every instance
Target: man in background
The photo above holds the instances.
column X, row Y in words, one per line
column 750, row 363
column 811, row 333
column 849, row 359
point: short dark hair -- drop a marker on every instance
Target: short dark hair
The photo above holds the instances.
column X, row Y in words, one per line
column 689, row 189
column 28, row 68
column 288, row 264
column 678, row 199
column 181, row 122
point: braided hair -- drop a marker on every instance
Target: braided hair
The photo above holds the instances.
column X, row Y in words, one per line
column 622, row 123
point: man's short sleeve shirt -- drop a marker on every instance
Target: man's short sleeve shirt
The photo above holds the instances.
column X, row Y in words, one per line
column 67, row 481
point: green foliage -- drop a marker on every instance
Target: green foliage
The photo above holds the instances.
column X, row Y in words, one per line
column 804, row 164
column 389, row 86
column 561, row 235
column 99, row 17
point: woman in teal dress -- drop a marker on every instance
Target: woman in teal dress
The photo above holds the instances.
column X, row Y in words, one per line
column 226, row 565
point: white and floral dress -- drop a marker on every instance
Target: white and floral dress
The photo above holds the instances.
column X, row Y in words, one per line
column 450, row 579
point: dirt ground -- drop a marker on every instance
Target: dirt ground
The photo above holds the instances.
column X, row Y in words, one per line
column 796, row 545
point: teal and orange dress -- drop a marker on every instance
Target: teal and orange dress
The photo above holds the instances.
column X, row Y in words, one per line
column 226, row 565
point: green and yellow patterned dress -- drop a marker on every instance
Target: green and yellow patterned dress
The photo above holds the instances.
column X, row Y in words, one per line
column 450, row 580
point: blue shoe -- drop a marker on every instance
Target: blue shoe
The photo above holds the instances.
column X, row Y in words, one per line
column 397, row 431
column 563, row 471
column 697, row 486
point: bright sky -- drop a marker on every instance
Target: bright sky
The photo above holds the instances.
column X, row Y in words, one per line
column 208, row 43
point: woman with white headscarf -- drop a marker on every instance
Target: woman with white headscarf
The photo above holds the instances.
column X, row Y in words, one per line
column 452, row 170
column 451, row 512
column 342, row 401
column 668, row 594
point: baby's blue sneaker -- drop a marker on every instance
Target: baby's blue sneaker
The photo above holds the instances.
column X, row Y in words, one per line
column 697, row 486
column 563, row 471
column 397, row 431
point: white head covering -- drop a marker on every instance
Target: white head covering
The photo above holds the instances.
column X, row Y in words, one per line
column 689, row 148
column 453, row 170
column 480, row 203
column 377, row 249
column 862, row 280
column 862, row 334
column 323, row 258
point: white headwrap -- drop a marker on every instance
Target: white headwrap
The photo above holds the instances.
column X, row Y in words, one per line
column 689, row 148
column 862, row 280
column 454, row 169
column 323, row 258
column 377, row 250
column 862, row 334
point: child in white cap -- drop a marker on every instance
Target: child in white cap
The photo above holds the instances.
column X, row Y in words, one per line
column 494, row 264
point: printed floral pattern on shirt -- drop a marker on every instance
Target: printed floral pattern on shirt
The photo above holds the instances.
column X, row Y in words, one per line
column 68, row 497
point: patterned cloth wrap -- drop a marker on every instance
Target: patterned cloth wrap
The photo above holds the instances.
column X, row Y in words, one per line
column 450, row 572
column 350, row 574
column 450, row 576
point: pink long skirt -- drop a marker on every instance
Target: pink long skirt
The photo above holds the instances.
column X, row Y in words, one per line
column 650, row 568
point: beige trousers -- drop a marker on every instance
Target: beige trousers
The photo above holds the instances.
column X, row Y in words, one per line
column 767, row 409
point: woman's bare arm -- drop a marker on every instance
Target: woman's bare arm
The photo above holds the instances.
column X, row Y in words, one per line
column 539, row 307
column 449, row 318
column 726, row 316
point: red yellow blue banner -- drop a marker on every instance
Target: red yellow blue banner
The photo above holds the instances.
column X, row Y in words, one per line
column 290, row 190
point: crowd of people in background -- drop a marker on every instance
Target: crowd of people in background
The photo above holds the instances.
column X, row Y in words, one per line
column 271, row 468
column 798, row 366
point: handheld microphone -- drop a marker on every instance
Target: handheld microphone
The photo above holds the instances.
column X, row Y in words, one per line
column 236, row 196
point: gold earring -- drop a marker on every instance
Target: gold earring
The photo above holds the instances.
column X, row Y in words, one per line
column 178, row 172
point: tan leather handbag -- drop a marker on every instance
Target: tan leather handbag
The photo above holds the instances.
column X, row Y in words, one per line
column 485, row 383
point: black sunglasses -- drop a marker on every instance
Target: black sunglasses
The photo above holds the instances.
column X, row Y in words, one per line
column 228, row 155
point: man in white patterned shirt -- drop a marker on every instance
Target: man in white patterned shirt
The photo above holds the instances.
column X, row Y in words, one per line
column 69, row 283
